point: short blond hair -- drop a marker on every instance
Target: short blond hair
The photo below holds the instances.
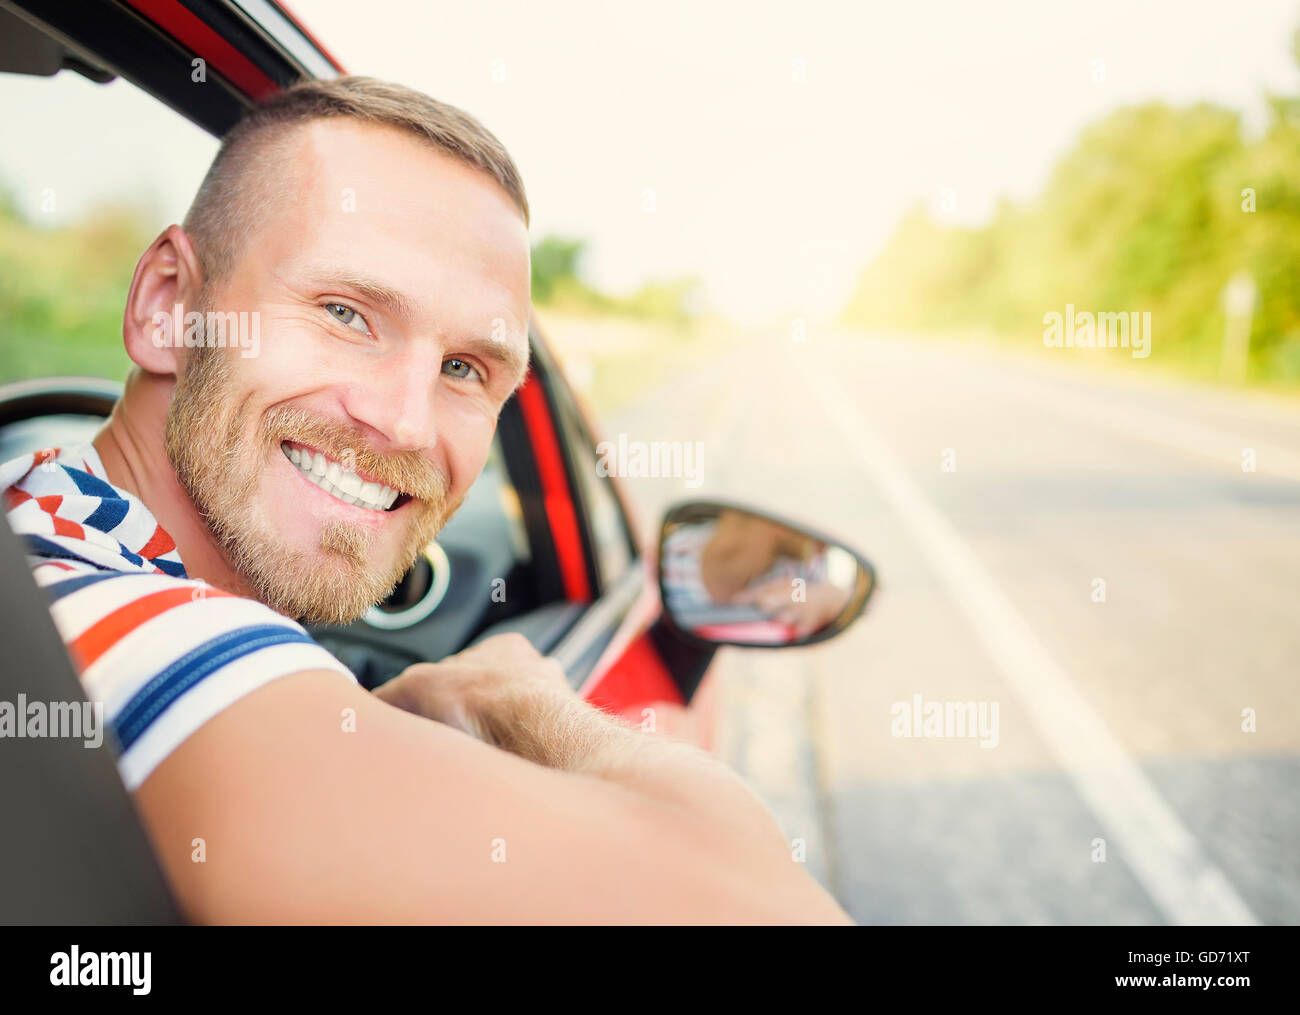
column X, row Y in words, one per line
column 238, row 189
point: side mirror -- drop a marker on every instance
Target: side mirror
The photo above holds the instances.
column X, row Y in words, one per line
column 729, row 575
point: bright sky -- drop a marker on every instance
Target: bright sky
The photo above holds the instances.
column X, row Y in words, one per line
column 778, row 142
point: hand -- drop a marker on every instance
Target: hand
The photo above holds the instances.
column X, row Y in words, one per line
column 482, row 690
column 821, row 604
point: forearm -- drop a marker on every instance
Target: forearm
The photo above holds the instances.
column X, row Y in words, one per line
column 565, row 733
column 503, row 693
column 716, row 809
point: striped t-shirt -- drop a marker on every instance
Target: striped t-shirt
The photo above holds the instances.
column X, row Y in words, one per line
column 164, row 652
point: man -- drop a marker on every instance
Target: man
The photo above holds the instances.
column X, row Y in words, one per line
column 379, row 239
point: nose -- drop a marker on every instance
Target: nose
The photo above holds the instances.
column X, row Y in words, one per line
column 397, row 401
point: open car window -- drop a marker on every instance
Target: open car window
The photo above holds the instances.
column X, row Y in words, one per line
column 113, row 167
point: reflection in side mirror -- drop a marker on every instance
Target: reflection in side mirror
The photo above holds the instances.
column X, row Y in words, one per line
column 732, row 576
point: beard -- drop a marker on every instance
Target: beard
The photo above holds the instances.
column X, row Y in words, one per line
column 336, row 581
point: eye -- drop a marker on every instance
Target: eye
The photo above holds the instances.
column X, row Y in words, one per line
column 346, row 315
column 459, row 368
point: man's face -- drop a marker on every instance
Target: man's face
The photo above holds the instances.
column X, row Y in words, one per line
column 393, row 293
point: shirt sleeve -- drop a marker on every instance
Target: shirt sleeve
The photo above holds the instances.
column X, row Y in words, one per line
column 164, row 654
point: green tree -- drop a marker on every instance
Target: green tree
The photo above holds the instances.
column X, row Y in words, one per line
column 1153, row 208
column 556, row 261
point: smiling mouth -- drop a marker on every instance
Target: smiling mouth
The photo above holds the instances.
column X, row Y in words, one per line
column 340, row 483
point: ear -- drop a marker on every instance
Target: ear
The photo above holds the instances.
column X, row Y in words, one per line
column 164, row 289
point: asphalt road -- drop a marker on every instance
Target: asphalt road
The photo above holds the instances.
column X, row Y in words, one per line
column 1124, row 784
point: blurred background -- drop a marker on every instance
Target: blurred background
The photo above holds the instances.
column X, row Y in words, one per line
column 828, row 242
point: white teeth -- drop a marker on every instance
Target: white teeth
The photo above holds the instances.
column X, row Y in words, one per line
column 349, row 483
column 342, row 483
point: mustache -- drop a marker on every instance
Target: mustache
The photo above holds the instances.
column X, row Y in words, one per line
column 408, row 472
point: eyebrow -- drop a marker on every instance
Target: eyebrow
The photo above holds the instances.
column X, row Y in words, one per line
column 503, row 353
column 372, row 292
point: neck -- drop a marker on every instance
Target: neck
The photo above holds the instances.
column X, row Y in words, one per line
column 133, row 449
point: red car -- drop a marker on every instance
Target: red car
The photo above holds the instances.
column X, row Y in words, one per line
column 542, row 519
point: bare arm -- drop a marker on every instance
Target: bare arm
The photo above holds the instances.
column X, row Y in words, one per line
column 504, row 693
column 412, row 821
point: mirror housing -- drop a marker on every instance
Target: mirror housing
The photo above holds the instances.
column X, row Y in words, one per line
column 732, row 575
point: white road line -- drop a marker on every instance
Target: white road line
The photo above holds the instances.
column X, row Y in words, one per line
column 1162, row 853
